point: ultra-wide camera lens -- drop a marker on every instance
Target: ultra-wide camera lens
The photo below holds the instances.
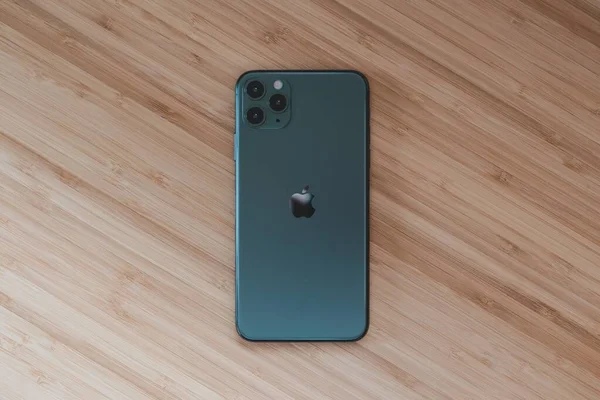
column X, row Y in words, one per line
column 278, row 102
column 255, row 89
column 255, row 116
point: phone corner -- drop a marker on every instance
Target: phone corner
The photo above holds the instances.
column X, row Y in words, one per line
column 362, row 77
column 363, row 332
column 362, row 329
column 241, row 79
column 242, row 334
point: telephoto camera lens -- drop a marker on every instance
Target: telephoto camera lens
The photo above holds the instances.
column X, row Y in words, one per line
column 255, row 116
column 255, row 89
column 278, row 102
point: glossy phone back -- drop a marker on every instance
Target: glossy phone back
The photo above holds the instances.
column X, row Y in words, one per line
column 301, row 272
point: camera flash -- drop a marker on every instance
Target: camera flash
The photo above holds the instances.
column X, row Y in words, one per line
column 278, row 84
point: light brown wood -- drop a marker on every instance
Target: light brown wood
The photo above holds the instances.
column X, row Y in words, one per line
column 117, row 198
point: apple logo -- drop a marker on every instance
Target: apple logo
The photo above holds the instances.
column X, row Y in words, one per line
column 301, row 204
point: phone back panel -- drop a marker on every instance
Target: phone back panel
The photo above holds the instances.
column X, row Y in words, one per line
column 304, row 278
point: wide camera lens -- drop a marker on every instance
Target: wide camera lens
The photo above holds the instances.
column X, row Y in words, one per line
column 278, row 102
column 255, row 116
column 255, row 89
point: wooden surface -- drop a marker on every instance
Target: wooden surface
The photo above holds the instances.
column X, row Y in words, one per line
column 117, row 198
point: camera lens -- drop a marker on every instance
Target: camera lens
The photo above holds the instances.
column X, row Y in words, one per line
column 255, row 89
column 278, row 102
column 255, row 116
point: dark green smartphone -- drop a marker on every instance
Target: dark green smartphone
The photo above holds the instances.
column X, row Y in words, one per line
column 302, row 205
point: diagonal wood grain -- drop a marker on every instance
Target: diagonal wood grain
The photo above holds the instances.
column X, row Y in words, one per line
column 117, row 198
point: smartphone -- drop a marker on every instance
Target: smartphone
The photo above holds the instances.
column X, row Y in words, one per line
column 302, row 205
